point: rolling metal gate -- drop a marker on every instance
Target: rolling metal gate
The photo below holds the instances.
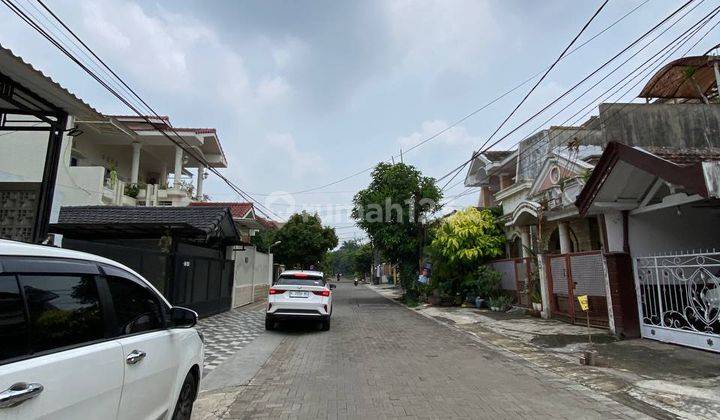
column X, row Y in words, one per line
column 679, row 298
column 576, row 274
column 515, row 272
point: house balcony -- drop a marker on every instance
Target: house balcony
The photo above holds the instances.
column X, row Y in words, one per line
column 160, row 195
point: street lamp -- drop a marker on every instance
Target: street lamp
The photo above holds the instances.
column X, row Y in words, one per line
column 273, row 244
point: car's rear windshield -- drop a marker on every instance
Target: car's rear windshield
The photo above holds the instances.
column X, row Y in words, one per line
column 300, row 280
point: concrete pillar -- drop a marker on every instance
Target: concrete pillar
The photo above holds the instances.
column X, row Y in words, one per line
column 178, row 166
column 200, row 179
column 564, row 234
column 525, row 239
column 163, row 175
column 485, row 197
column 544, row 289
column 505, row 181
column 135, row 169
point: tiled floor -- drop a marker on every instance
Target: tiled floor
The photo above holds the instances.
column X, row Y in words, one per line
column 228, row 332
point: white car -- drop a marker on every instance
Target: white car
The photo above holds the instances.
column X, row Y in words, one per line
column 300, row 294
column 83, row 337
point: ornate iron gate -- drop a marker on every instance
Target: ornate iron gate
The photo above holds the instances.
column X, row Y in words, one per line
column 679, row 298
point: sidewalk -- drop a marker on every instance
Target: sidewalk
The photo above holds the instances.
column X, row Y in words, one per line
column 662, row 380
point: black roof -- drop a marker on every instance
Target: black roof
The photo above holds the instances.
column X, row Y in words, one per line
column 146, row 222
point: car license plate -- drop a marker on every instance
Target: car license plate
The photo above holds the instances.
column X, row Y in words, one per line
column 299, row 294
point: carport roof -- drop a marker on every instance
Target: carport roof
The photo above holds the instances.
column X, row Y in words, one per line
column 146, row 222
column 678, row 167
column 42, row 85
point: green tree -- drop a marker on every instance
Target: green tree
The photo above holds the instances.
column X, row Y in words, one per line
column 392, row 210
column 461, row 243
column 304, row 241
column 263, row 239
column 342, row 259
column 363, row 259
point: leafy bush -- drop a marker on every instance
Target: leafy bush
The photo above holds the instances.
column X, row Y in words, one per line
column 460, row 244
column 488, row 282
column 500, row 301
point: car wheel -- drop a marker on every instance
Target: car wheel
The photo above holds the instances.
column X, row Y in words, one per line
column 326, row 324
column 269, row 324
column 184, row 405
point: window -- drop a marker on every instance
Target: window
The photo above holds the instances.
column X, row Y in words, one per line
column 136, row 308
column 13, row 325
column 64, row 310
column 293, row 280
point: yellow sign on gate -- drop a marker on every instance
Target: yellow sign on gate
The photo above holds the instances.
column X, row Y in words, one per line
column 583, row 299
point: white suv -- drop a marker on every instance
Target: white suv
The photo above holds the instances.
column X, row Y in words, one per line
column 84, row 337
column 300, row 295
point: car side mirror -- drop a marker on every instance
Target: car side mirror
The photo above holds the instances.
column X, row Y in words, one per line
column 332, row 286
column 182, row 317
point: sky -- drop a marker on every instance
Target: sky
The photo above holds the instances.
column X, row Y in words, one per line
column 305, row 93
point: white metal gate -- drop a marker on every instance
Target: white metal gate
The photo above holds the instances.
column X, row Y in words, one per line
column 679, row 298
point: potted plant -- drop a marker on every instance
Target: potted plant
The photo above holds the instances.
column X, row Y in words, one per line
column 132, row 190
column 536, row 300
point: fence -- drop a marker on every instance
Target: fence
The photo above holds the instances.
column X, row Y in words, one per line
column 679, row 298
column 515, row 276
column 575, row 274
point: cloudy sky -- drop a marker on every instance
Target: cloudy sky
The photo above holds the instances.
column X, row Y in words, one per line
column 307, row 92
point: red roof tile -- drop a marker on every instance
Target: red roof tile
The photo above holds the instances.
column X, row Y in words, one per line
column 686, row 156
column 237, row 209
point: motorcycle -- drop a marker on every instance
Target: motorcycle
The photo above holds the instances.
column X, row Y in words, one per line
column 356, row 282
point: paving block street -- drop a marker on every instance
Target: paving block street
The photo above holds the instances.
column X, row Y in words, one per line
column 381, row 360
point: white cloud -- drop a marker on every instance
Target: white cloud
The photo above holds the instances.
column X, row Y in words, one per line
column 180, row 55
column 442, row 34
column 271, row 89
column 457, row 136
column 297, row 162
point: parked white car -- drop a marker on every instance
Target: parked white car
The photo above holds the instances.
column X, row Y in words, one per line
column 84, row 337
column 300, row 295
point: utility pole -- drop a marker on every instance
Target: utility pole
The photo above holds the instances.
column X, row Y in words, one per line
column 401, row 156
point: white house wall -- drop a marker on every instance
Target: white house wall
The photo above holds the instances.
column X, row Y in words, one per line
column 664, row 231
column 252, row 274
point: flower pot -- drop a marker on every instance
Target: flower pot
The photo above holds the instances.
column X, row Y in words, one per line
column 537, row 306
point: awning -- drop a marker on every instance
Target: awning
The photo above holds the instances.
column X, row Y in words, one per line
column 683, row 78
column 624, row 175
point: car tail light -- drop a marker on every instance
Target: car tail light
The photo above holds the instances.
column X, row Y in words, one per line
column 276, row 292
column 322, row 292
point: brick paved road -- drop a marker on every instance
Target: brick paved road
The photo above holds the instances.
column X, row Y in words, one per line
column 380, row 360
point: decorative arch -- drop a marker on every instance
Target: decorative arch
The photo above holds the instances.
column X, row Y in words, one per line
column 515, row 247
column 552, row 244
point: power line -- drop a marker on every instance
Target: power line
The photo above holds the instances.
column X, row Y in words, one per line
column 481, row 108
column 553, row 102
column 532, row 89
column 25, row 17
column 539, row 141
column 668, row 49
